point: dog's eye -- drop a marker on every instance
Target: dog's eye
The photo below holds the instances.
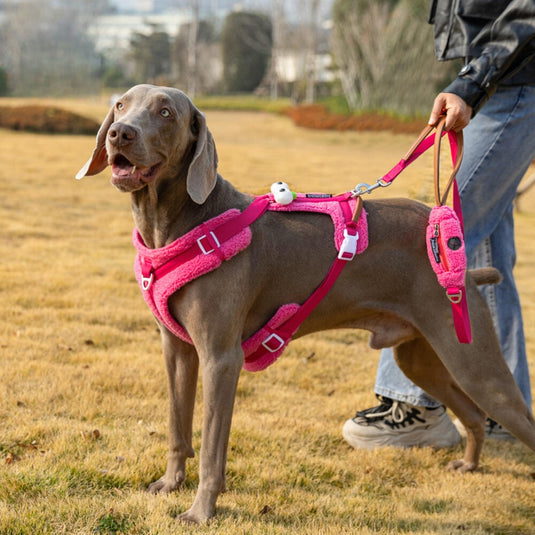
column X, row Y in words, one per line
column 165, row 113
column 119, row 105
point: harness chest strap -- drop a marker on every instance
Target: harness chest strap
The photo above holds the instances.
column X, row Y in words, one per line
column 212, row 240
column 208, row 243
column 282, row 334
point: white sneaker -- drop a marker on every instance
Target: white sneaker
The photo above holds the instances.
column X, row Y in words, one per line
column 492, row 430
column 396, row 423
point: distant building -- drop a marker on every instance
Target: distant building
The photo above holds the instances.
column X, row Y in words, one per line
column 112, row 33
column 291, row 67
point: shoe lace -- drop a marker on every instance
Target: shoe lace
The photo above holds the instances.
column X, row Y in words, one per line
column 493, row 426
column 399, row 413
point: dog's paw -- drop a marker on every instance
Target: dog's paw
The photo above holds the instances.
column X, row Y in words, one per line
column 189, row 517
column 462, row 466
column 164, row 485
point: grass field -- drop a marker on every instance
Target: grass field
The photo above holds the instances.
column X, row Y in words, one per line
column 83, row 400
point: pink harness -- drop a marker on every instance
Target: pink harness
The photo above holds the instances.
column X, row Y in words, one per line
column 162, row 272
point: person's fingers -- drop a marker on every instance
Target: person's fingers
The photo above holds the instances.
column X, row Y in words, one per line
column 437, row 110
column 458, row 113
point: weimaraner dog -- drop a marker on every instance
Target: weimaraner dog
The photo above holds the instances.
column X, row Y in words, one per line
column 161, row 152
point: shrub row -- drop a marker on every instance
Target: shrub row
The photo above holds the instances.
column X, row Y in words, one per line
column 52, row 120
column 318, row 117
column 46, row 119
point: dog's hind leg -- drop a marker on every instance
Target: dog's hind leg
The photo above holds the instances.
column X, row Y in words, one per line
column 182, row 366
column 481, row 371
column 419, row 362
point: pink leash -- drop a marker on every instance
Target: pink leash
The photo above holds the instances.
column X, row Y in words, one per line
column 442, row 256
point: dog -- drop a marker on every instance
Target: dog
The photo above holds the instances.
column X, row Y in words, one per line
column 161, row 152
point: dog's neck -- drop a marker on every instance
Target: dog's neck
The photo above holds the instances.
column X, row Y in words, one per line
column 162, row 214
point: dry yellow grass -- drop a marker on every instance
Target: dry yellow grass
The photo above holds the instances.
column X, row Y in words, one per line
column 80, row 354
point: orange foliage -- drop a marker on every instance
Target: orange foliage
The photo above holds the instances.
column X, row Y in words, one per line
column 316, row 116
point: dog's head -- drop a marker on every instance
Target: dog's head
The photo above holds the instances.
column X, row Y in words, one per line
column 150, row 134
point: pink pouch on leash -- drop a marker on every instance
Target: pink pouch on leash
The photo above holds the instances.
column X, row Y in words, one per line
column 445, row 247
column 445, row 236
column 445, row 239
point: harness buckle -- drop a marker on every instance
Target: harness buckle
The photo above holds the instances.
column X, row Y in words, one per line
column 348, row 249
column 272, row 348
column 214, row 241
column 146, row 282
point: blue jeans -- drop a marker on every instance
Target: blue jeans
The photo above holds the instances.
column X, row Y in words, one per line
column 499, row 147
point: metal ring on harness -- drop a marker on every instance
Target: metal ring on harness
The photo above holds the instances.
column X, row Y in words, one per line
column 146, row 282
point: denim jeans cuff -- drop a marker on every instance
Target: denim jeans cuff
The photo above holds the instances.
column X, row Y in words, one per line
column 411, row 400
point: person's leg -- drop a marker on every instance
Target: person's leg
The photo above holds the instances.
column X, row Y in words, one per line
column 391, row 382
column 492, row 169
column 499, row 251
column 498, row 150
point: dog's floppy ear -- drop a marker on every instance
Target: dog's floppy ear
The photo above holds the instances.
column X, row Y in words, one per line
column 202, row 173
column 99, row 159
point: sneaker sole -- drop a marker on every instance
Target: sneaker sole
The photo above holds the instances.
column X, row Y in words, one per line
column 442, row 435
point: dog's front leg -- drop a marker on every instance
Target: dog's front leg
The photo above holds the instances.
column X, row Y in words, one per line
column 182, row 366
column 221, row 371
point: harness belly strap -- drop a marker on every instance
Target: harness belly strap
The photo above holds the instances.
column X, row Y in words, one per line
column 162, row 272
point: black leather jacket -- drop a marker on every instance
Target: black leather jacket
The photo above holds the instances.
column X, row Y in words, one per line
column 495, row 37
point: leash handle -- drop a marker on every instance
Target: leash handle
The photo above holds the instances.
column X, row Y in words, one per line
column 457, row 149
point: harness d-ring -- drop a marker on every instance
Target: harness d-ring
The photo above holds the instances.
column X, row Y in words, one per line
column 146, row 282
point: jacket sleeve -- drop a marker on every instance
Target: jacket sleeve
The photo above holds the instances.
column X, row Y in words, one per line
column 507, row 45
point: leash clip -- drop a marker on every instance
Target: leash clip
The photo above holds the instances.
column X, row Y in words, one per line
column 362, row 188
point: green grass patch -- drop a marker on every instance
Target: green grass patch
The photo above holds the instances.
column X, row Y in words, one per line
column 242, row 103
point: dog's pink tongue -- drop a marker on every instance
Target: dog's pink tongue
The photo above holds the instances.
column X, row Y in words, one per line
column 123, row 170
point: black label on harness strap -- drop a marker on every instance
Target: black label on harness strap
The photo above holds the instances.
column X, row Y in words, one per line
column 318, row 195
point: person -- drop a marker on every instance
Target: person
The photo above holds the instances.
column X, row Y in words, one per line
column 493, row 101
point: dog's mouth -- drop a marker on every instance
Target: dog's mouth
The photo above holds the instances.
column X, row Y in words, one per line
column 127, row 176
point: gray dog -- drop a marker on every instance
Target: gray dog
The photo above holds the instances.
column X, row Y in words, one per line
column 161, row 152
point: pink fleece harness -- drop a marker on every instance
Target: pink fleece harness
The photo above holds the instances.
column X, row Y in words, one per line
column 162, row 272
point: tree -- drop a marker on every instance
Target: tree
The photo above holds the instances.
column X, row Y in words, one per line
column 151, row 55
column 277, row 24
column 385, row 56
column 246, row 47
column 4, row 85
column 193, row 32
column 310, row 41
column 45, row 47
column 207, row 53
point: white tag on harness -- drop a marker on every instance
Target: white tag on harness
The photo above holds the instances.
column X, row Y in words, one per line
column 348, row 249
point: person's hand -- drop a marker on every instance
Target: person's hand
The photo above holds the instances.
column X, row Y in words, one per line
column 458, row 112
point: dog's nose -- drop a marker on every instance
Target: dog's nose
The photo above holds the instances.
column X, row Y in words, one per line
column 121, row 134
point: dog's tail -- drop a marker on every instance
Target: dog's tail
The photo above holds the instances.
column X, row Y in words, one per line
column 486, row 275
